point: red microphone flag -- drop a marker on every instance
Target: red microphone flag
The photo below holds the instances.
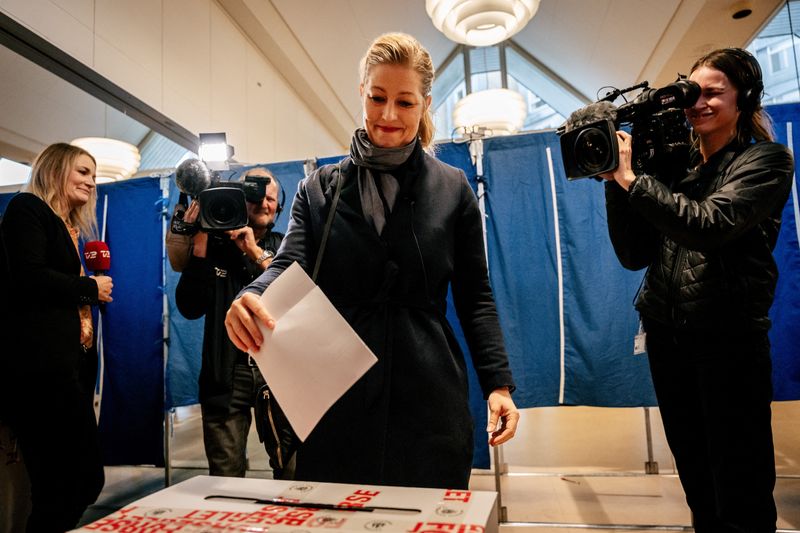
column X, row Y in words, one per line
column 98, row 257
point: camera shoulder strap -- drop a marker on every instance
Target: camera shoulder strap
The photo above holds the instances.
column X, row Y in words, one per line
column 328, row 222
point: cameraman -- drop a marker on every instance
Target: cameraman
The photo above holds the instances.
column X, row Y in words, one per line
column 219, row 266
column 706, row 237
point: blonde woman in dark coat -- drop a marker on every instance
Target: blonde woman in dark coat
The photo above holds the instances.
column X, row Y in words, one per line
column 49, row 362
column 406, row 228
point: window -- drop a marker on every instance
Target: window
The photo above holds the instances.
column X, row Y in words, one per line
column 779, row 56
column 777, row 50
column 13, row 175
column 484, row 66
column 448, row 88
column 505, row 65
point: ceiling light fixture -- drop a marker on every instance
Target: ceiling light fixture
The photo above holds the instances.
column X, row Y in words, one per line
column 502, row 111
column 480, row 22
column 116, row 160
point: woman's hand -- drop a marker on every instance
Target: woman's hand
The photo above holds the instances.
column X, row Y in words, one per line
column 104, row 286
column 242, row 319
column 502, row 410
column 623, row 174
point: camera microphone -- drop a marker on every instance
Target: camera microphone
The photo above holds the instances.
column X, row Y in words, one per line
column 192, row 177
column 222, row 204
column 98, row 257
column 591, row 113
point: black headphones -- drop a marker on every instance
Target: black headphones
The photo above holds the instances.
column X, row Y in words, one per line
column 281, row 199
column 748, row 99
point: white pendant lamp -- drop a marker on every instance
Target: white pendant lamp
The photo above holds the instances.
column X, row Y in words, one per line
column 500, row 110
column 480, row 22
column 116, row 160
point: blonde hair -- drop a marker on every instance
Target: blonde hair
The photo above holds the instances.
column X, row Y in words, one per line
column 49, row 175
column 403, row 49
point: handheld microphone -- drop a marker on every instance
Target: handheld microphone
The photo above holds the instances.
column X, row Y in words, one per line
column 98, row 257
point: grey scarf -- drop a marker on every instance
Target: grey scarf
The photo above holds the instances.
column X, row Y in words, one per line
column 373, row 164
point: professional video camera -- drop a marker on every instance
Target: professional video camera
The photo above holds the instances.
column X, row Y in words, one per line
column 658, row 127
column 222, row 203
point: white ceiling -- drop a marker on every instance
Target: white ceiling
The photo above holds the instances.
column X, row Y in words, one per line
column 38, row 108
column 588, row 43
column 317, row 44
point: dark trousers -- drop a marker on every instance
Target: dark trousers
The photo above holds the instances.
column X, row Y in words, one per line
column 225, row 428
column 57, row 432
column 714, row 391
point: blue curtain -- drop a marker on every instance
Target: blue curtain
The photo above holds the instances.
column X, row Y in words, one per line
column 131, row 417
column 785, row 311
column 565, row 302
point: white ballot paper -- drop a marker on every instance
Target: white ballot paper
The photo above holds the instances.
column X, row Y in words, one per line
column 313, row 355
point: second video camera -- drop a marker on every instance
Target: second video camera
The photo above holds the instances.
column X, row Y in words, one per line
column 659, row 129
column 222, row 203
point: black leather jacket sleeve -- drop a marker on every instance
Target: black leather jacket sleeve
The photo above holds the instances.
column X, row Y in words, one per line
column 635, row 241
column 754, row 186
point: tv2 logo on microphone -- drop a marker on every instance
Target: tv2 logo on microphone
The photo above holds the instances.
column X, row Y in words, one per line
column 93, row 254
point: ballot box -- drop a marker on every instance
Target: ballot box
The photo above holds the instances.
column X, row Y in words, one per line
column 221, row 504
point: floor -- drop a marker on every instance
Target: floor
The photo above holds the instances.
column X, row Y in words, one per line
column 568, row 469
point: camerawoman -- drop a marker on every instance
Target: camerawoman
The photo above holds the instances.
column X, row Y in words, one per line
column 705, row 227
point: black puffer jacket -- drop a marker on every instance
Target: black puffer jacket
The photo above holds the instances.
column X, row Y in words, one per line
column 707, row 239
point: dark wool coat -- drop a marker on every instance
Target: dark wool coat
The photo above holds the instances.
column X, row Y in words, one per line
column 407, row 420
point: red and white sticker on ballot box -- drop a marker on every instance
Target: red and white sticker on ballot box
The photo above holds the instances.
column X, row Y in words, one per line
column 215, row 504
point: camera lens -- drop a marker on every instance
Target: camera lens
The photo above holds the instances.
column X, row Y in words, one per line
column 593, row 151
column 223, row 210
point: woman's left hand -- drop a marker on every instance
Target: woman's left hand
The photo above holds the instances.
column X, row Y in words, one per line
column 623, row 174
column 502, row 410
column 104, row 287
